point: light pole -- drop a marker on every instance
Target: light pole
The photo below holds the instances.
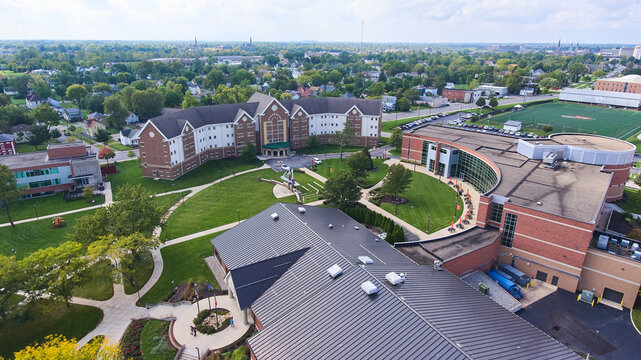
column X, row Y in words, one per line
column 198, row 350
column 429, row 218
column 35, row 208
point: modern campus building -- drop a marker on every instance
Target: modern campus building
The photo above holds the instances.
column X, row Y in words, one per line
column 541, row 202
column 175, row 143
column 625, row 84
column 63, row 167
column 601, row 97
column 319, row 285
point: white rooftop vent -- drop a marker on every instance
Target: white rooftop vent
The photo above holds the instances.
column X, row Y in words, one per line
column 334, row 271
column 539, row 203
column 393, row 278
column 437, row 265
column 274, row 216
column 365, row 260
column 301, row 209
column 356, row 228
column 331, row 226
column 369, row 288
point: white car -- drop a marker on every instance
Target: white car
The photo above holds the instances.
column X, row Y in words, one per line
column 284, row 167
column 316, row 161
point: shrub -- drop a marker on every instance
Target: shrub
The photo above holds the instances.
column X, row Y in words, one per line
column 131, row 153
column 547, row 128
column 130, row 343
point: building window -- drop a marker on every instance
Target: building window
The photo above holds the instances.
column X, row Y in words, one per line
column 496, row 212
column 508, row 229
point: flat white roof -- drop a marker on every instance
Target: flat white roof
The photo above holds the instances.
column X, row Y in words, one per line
column 632, row 78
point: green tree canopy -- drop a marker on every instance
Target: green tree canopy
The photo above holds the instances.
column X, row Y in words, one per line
column 116, row 111
column 102, row 135
column 343, row 137
column 147, row 103
column 76, row 92
column 248, row 153
column 189, row 100
column 46, row 115
column 396, row 181
column 396, row 139
column 341, row 190
column 9, row 191
column 39, row 134
column 358, row 163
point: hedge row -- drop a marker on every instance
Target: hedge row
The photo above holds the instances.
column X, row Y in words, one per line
column 369, row 217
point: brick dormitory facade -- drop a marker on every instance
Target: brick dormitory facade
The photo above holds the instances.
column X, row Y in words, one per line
column 542, row 206
column 176, row 143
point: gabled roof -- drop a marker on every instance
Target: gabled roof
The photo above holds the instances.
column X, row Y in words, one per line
column 335, row 105
column 19, row 127
column 33, row 97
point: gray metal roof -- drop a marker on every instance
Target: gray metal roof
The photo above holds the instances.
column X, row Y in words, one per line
column 335, row 105
column 483, row 328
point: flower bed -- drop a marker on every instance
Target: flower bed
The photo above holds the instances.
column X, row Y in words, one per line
column 209, row 322
column 130, row 343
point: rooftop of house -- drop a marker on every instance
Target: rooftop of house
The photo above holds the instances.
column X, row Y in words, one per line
column 574, row 192
column 279, row 267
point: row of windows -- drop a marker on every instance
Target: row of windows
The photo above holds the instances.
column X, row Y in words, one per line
column 508, row 229
column 476, row 171
column 35, row 172
column 48, row 182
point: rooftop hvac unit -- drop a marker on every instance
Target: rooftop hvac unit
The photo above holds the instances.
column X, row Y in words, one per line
column 274, row 216
column 625, row 243
column 334, row 271
column 301, row 210
column 365, row 260
column 602, row 243
column 549, row 159
column 484, row 289
column 437, row 265
column 369, row 288
column 393, row 278
column 635, row 247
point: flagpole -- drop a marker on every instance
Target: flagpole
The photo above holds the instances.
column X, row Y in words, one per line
column 197, row 298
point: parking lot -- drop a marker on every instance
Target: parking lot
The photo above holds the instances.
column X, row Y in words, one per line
column 604, row 332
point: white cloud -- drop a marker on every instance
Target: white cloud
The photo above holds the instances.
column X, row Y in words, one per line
column 586, row 21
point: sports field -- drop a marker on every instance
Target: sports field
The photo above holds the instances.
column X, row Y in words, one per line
column 566, row 117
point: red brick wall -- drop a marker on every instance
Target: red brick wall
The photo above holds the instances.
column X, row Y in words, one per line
column 154, row 152
column 244, row 131
column 67, row 152
column 299, row 130
column 272, row 117
column 259, row 326
column 483, row 212
column 454, row 94
column 620, row 175
column 481, row 259
column 354, row 120
column 7, row 148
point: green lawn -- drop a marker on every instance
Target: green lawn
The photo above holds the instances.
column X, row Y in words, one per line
column 372, row 178
column 143, row 268
column 182, row 262
column 116, row 145
column 328, row 149
column 310, row 187
column 15, row 101
column 99, row 283
column 31, row 236
column 26, row 209
column 428, row 196
column 22, row 148
column 634, row 139
column 72, row 322
column 129, row 172
column 628, row 204
column 217, row 204
column 153, row 330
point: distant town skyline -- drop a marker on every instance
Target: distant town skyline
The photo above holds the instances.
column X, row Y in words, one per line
column 418, row 21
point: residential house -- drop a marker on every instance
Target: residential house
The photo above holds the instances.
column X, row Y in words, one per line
column 132, row 118
column 72, row 114
column 389, row 102
column 33, row 101
column 304, row 92
column 20, row 133
column 99, row 117
column 7, row 145
column 128, row 136
column 53, row 103
column 537, row 72
column 93, row 127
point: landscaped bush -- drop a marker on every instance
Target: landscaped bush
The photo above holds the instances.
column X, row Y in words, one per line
column 130, row 343
column 206, row 328
column 366, row 216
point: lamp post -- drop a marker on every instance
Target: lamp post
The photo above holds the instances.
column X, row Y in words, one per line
column 429, row 218
column 35, row 209
column 198, row 350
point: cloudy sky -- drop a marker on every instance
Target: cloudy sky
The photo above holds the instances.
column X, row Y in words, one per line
column 429, row 21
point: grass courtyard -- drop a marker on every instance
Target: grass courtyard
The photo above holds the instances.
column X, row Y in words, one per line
column 569, row 117
column 99, row 283
column 22, row 148
column 370, row 179
column 428, row 196
column 310, row 187
column 175, row 258
column 328, row 149
column 217, row 204
column 74, row 321
column 129, row 172
column 25, row 209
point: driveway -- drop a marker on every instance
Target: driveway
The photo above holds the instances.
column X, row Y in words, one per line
column 604, row 332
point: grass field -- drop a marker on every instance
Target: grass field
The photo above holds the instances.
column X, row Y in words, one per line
column 22, row 148
column 148, row 340
column 603, row 121
column 217, row 204
column 628, row 204
column 143, row 268
column 25, row 209
column 129, row 172
column 99, row 283
column 310, row 187
column 56, row 318
column 328, row 149
column 370, row 179
column 428, row 196
column 175, row 257
column 15, row 101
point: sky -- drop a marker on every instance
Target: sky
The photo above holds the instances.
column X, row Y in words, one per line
column 422, row 21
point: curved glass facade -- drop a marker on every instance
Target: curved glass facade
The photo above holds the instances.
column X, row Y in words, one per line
column 476, row 172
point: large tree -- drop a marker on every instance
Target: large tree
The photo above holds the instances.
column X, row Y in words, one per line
column 116, row 111
column 46, row 115
column 147, row 103
column 189, row 100
column 9, row 191
column 343, row 138
column 358, row 163
column 248, row 153
column 58, row 348
column 396, row 140
column 106, row 153
column 396, row 182
column 341, row 190
column 102, row 135
column 493, row 102
column 39, row 134
column 76, row 92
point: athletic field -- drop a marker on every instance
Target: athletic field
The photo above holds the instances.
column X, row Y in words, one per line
column 567, row 117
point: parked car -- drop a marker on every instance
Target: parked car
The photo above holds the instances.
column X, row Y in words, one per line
column 284, row 167
column 316, row 161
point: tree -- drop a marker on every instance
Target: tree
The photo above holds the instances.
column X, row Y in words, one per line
column 248, row 153
column 403, row 104
column 358, row 163
column 411, row 95
column 576, row 70
column 214, row 78
column 189, row 100
column 39, row 134
column 343, row 138
column 116, row 111
column 87, row 192
column 106, row 153
column 549, row 83
column 55, row 133
column 396, row 140
column 94, row 103
column 9, row 191
column 102, row 135
column 19, row 83
column 341, row 190
column 365, row 152
column 102, row 87
column 396, row 182
column 46, row 115
column 4, row 99
column 147, row 103
column 76, row 92
column 598, row 74
column 493, row 102
column 480, row 102
column 57, row 347
column 313, row 142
